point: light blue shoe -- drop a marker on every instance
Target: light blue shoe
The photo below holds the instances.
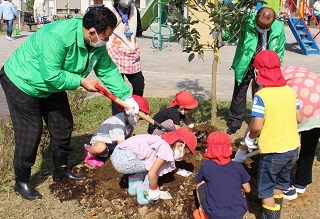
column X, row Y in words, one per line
column 141, row 189
column 133, row 181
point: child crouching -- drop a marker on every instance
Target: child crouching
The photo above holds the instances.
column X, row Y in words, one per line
column 220, row 181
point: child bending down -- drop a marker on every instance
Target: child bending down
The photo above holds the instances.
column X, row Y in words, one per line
column 175, row 115
column 220, row 181
column 152, row 155
column 113, row 131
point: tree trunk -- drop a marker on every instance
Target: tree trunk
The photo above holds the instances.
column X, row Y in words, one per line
column 214, row 87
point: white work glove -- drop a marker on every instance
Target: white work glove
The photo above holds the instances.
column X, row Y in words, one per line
column 183, row 172
column 153, row 194
column 240, row 156
column 250, row 143
column 191, row 126
column 131, row 102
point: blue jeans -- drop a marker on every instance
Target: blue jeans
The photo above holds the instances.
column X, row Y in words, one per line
column 9, row 24
column 274, row 172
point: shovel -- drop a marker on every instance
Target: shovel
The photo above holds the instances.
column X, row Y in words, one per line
column 253, row 153
column 142, row 115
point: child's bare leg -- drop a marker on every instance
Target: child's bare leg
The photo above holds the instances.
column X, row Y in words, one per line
column 278, row 192
column 269, row 201
column 98, row 148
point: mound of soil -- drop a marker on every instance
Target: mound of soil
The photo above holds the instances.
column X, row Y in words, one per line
column 104, row 190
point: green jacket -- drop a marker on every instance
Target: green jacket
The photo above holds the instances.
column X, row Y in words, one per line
column 55, row 58
column 248, row 42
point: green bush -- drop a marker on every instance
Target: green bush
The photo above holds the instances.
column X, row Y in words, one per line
column 29, row 5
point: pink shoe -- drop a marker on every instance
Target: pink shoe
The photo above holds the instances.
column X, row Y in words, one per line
column 91, row 159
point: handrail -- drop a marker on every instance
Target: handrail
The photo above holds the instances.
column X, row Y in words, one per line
column 161, row 23
column 301, row 16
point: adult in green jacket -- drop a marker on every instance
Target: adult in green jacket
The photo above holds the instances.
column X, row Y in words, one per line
column 271, row 32
column 56, row 58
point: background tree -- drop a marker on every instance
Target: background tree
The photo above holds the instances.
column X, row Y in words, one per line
column 224, row 22
column 29, row 5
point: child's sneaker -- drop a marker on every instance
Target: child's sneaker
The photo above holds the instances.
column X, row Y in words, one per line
column 300, row 189
column 290, row 193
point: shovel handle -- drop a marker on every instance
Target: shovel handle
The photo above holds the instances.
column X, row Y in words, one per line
column 115, row 99
column 253, row 153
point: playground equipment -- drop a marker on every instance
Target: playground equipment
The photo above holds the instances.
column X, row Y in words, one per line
column 300, row 29
column 151, row 14
column 162, row 19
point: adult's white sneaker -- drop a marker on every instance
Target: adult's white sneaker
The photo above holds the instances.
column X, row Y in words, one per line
column 300, row 189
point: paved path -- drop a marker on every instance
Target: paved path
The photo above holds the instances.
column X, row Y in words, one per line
column 168, row 71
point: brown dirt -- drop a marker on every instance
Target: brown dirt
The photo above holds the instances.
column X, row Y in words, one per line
column 104, row 191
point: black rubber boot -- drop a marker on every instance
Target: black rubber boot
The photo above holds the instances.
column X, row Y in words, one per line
column 278, row 199
column 23, row 186
column 271, row 212
column 61, row 170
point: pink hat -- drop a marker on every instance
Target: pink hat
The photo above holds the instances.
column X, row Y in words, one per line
column 267, row 62
column 185, row 100
column 182, row 134
column 218, row 147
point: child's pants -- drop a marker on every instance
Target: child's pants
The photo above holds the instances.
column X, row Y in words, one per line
column 274, row 172
column 127, row 162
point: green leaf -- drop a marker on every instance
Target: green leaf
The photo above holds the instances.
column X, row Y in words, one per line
column 191, row 57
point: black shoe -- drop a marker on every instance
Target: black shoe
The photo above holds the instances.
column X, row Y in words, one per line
column 63, row 173
column 27, row 191
column 231, row 130
column 61, row 170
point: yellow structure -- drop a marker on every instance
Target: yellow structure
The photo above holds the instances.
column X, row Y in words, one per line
column 202, row 26
column 274, row 4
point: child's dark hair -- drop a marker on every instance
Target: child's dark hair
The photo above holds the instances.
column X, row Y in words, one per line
column 99, row 18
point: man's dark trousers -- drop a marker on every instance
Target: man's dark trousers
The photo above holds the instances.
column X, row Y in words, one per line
column 238, row 104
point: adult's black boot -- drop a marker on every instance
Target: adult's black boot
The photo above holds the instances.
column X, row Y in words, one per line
column 61, row 170
column 23, row 186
